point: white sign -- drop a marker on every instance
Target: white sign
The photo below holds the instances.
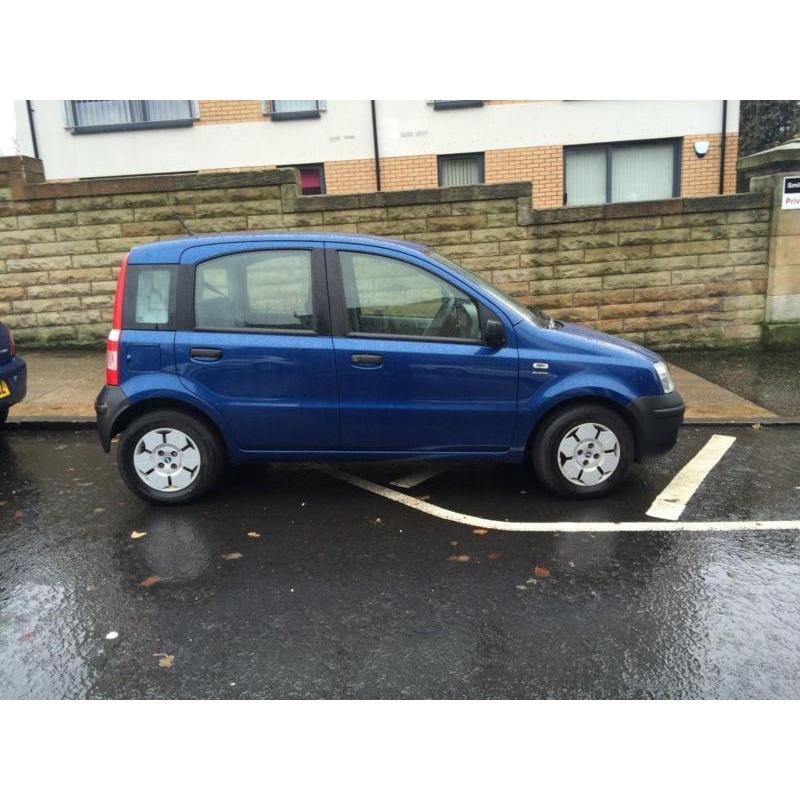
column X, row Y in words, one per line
column 791, row 192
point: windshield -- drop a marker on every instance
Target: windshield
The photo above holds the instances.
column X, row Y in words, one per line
column 535, row 315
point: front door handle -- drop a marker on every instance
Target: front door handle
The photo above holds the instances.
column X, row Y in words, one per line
column 206, row 353
column 366, row 359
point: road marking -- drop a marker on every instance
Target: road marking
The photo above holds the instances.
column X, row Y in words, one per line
column 671, row 503
column 416, row 478
column 562, row 527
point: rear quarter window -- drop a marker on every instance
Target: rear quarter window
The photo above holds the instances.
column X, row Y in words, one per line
column 150, row 297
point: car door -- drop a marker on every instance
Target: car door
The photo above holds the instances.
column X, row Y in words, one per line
column 259, row 346
column 414, row 374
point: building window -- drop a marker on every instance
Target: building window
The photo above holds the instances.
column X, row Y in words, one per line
column 623, row 172
column 442, row 105
column 312, row 177
column 295, row 109
column 461, row 170
column 98, row 116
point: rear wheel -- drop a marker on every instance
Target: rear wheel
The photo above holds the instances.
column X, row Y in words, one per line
column 583, row 451
column 170, row 457
column 3, row 414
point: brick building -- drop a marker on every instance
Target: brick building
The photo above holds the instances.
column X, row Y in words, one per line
column 573, row 152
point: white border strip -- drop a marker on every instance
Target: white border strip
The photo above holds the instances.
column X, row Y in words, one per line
column 563, row 527
column 671, row 503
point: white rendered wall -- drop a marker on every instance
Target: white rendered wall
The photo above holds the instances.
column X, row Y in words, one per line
column 344, row 132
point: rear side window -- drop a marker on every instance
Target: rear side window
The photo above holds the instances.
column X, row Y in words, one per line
column 150, row 297
column 266, row 290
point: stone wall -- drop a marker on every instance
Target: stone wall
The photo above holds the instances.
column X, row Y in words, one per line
column 674, row 273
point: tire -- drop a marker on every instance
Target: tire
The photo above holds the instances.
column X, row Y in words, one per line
column 3, row 414
column 170, row 457
column 583, row 451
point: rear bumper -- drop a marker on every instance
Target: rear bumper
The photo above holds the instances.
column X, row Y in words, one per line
column 110, row 403
column 15, row 374
column 658, row 420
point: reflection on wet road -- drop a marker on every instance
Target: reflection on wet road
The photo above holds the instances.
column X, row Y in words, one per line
column 341, row 593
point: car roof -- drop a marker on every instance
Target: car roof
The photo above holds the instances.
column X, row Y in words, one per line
column 169, row 251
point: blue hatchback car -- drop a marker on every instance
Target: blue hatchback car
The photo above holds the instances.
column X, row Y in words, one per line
column 249, row 348
column 13, row 374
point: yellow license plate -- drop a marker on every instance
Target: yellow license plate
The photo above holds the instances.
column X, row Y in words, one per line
column 4, row 390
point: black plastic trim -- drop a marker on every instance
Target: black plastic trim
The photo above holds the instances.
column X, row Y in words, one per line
column 657, row 420
column 110, row 403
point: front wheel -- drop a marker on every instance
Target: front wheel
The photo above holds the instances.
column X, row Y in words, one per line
column 583, row 451
column 170, row 457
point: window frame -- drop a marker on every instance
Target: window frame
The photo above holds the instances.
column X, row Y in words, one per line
column 279, row 116
column 320, row 165
column 338, row 300
column 319, row 299
column 446, row 105
column 78, row 130
column 479, row 157
column 131, row 291
column 609, row 146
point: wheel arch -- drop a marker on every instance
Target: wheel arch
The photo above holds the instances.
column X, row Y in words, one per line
column 134, row 410
column 588, row 399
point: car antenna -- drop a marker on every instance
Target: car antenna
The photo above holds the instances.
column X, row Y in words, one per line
column 183, row 224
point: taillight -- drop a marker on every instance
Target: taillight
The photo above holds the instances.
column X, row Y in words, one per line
column 112, row 343
column 12, row 346
column 112, row 357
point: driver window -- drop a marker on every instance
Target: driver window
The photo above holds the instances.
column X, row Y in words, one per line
column 387, row 296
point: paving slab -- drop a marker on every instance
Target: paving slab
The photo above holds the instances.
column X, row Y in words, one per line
column 62, row 385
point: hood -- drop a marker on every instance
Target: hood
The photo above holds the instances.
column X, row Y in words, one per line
column 593, row 336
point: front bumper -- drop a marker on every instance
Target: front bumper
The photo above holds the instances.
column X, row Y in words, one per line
column 658, row 420
column 15, row 374
column 110, row 403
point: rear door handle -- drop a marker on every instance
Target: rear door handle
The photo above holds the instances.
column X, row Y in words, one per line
column 206, row 353
column 366, row 359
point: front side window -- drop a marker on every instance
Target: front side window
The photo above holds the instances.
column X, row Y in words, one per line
column 388, row 297
column 619, row 173
column 267, row 290
column 461, row 170
column 86, row 116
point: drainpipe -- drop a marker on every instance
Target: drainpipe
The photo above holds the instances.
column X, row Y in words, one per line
column 375, row 144
column 33, row 129
column 722, row 148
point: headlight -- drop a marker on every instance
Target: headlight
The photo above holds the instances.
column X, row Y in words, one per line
column 662, row 370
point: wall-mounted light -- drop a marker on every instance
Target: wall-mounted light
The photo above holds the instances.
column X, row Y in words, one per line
column 701, row 148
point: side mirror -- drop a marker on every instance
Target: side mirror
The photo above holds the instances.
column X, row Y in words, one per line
column 494, row 335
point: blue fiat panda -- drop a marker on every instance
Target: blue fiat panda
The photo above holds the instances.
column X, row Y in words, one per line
column 248, row 348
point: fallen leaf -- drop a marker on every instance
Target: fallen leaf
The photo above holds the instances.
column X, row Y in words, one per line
column 232, row 556
column 18, row 514
column 99, row 510
column 460, row 559
column 541, row 572
column 149, row 581
column 480, row 531
column 494, row 556
column 253, row 535
column 166, row 661
column 138, row 534
column 757, row 426
column 521, row 587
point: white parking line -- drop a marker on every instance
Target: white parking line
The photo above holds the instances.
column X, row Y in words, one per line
column 671, row 503
column 416, row 478
column 563, row 527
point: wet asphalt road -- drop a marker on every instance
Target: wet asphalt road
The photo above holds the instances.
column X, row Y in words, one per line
column 345, row 594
